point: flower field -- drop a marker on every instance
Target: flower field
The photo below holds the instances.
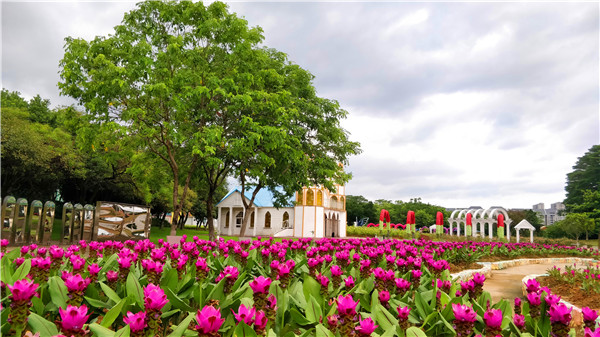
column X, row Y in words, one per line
column 305, row 287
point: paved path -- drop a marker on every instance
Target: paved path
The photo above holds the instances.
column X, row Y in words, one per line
column 506, row 283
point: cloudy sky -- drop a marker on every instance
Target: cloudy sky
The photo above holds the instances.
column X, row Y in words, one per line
column 457, row 103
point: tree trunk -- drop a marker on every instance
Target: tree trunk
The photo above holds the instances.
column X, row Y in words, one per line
column 176, row 205
column 247, row 204
column 209, row 217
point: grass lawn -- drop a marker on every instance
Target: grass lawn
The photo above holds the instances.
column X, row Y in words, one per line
column 157, row 233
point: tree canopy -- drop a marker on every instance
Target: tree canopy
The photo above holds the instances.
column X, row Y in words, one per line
column 189, row 84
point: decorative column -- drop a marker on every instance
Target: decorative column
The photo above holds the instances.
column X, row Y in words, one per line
column 501, row 226
column 231, row 223
column 439, row 223
column 469, row 228
column 410, row 222
column 255, row 216
column 518, row 230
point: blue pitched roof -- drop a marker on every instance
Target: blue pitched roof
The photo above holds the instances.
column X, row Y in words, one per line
column 264, row 197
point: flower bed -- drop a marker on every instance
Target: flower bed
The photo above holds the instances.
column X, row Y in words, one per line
column 326, row 287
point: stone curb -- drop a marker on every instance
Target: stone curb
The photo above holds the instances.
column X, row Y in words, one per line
column 577, row 316
column 487, row 267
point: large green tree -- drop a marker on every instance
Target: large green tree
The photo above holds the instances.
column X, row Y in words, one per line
column 585, row 177
column 287, row 136
column 166, row 75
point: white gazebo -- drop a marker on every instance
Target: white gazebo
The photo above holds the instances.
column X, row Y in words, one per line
column 524, row 224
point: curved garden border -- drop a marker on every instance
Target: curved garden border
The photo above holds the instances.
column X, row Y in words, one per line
column 487, row 267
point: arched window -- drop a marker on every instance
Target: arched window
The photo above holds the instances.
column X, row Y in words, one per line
column 319, row 198
column 286, row 220
column 238, row 219
column 299, row 198
column 342, row 203
column 268, row 220
column 252, row 220
column 310, row 197
column 334, row 202
column 227, row 219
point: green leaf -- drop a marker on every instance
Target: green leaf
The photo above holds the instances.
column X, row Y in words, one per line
column 134, row 290
column 113, row 313
column 58, row 291
column 176, row 302
column 311, row 287
column 41, row 325
column 180, row 329
column 217, row 293
column 415, row 332
column 421, row 304
column 111, row 294
column 298, row 318
column 5, row 273
column 243, row 330
column 323, row 331
column 385, row 319
column 22, row 271
column 169, row 279
column 123, row 332
column 101, row 331
column 313, row 310
column 96, row 303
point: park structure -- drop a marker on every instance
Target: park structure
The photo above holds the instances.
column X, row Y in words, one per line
column 314, row 212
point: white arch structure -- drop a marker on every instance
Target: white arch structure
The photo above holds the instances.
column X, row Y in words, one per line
column 480, row 217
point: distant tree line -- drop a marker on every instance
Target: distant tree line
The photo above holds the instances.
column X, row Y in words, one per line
column 48, row 154
column 358, row 207
column 582, row 201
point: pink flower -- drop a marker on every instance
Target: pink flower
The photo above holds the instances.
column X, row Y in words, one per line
column 112, row 276
column 493, row 318
column 230, row 272
column 23, row 290
column 245, row 314
column 519, row 321
column 403, row 313
column 589, row 315
column 336, row 271
column 532, row 285
column 346, row 305
column 402, row 284
column 560, row 313
column 124, row 262
column 517, row 302
column 76, row 283
column 272, row 302
column 478, row 279
column 94, row 269
column 261, row 284
column 384, row 296
column 73, row 318
column 464, row 313
column 284, row 270
column 260, row 320
column 4, row 243
column 416, row 274
column 154, row 297
column 552, row 299
column 349, row 282
column 209, row 320
column 366, row 327
column 323, row 280
column 589, row 333
column 136, row 322
column 534, row 298
column 19, row 261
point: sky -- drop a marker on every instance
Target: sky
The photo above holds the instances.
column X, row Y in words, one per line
column 459, row 104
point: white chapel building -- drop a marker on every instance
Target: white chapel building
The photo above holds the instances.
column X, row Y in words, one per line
column 315, row 212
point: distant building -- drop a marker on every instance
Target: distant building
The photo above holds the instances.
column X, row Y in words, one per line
column 314, row 212
column 549, row 216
